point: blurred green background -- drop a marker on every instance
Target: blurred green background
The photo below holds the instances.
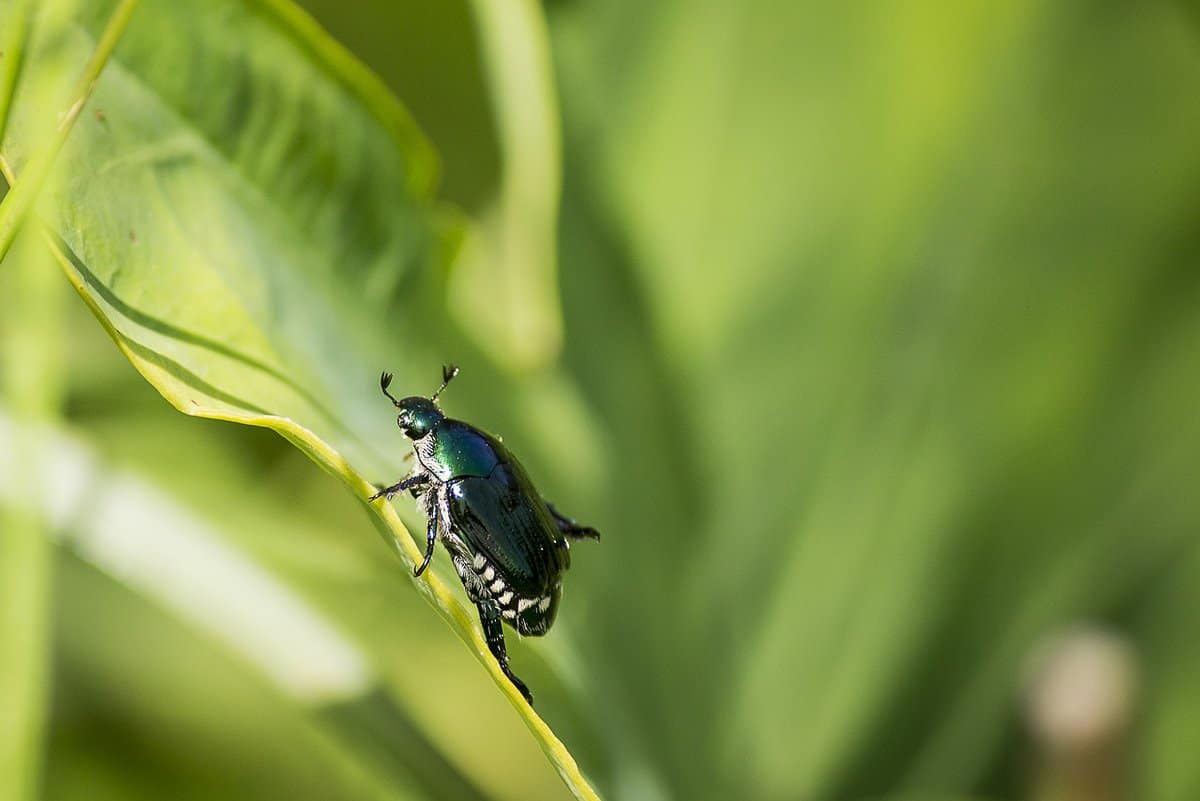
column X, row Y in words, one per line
column 868, row 335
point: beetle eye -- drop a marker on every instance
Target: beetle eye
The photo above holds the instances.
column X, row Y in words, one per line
column 400, row 420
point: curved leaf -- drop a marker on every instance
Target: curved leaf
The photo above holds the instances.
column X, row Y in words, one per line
column 194, row 545
column 240, row 214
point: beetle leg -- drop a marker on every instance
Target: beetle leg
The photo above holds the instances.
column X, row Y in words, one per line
column 401, row 486
column 493, row 631
column 430, row 541
column 570, row 528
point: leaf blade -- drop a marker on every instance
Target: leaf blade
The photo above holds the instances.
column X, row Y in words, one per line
column 276, row 234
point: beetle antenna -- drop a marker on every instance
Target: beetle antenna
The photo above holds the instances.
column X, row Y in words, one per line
column 385, row 380
column 448, row 373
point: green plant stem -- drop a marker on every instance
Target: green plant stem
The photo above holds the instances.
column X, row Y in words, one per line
column 24, row 552
column 21, row 196
column 30, row 378
column 30, row 375
column 12, row 59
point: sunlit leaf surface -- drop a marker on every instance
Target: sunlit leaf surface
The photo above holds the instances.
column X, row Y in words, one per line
column 242, row 210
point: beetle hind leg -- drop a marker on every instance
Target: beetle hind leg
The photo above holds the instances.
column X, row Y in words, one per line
column 493, row 631
column 570, row 528
column 489, row 617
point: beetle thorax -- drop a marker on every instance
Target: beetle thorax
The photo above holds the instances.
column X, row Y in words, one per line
column 426, row 450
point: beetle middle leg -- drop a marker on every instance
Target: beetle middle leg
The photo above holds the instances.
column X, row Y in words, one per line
column 493, row 631
column 570, row 528
column 431, row 531
column 414, row 480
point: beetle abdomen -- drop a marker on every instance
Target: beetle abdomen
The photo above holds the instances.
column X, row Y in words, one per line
column 531, row 616
column 534, row 616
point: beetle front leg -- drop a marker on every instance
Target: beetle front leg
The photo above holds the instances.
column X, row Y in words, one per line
column 412, row 481
column 430, row 541
column 493, row 631
column 570, row 528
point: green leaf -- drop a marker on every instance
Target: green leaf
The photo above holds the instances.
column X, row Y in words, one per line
column 31, row 347
column 460, row 105
column 880, row 357
column 1172, row 657
column 232, row 643
column 506, row 287
column 242, row 213
column 491, row 112
column 894, row 306
column 20, row 198
column 260, row 497
column 122, row 646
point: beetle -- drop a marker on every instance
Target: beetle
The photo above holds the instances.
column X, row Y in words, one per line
column 509, row 546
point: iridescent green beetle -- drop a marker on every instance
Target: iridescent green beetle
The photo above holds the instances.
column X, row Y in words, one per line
column 509, row 546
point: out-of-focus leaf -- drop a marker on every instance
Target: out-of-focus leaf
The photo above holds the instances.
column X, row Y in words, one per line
column 15, row 39
column 135, row 686
column 31, row 386
column 226, row 575
column 406, row 43
column 21, row 198
column 491, row 111
column 121, row 658
column 1172, row 697
column 506, row 286
column 31, row 348
column 239, row 214
column 914, row 298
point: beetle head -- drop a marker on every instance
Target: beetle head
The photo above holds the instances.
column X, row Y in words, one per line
column 418, row 415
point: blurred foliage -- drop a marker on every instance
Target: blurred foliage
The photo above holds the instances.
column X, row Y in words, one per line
column 879, row 371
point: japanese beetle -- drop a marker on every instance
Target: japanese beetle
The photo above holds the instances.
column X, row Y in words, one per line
column 509, row 546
